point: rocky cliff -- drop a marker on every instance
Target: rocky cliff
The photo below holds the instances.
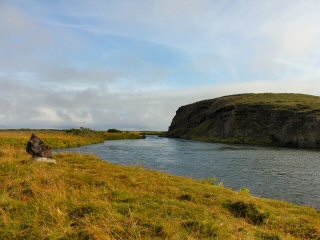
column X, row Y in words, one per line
column 289, row 120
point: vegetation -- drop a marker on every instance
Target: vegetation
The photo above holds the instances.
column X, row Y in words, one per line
column 283, row 101
column 82, row 197
column 63, row 139
column 158, row 133
column 113, row 130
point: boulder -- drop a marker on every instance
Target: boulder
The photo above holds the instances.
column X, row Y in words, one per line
column 37, row 148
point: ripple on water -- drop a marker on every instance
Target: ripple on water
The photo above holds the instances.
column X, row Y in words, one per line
column 288, row 174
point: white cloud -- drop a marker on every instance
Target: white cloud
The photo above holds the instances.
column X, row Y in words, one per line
column 99, row 108
column 47, row 115
column 101, row 64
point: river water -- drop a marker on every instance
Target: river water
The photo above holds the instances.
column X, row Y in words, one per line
column 289, row 174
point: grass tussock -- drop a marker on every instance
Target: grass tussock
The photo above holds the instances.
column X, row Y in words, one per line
column 247, row 211
column 82, row 197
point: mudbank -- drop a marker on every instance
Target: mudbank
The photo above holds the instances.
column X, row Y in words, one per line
column 289, row 120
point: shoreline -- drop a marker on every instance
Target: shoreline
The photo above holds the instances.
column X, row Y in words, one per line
column 84, row 197
column 228, row 142
column 237, row 187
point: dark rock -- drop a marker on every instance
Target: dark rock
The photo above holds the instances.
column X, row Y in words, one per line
column 37, row 148
column 288, row 120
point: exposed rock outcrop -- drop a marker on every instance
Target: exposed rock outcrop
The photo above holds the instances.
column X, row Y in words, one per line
column 37, row 148
column 289, row 120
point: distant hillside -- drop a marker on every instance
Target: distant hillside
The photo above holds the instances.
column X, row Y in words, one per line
column 289, row 120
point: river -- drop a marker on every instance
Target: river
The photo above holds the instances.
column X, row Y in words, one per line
column 288, row 174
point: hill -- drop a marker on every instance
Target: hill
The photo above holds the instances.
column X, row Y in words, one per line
column 288, row 120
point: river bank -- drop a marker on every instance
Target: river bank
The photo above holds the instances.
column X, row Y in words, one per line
column 82, row 197
column 272, row 172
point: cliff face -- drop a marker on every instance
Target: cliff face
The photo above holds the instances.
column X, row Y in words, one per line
column 290, row 120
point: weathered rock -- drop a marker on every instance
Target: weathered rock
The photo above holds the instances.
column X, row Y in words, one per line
column 289, row 120
column 37, row 148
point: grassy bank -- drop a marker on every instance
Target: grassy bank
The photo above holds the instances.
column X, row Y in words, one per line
column 63, row 138
column 156, row 133
column 82, row 197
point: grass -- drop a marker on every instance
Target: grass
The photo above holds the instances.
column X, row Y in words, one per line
column 282, row 101
column 82, row 197
column 63, row 139
column 157, row 133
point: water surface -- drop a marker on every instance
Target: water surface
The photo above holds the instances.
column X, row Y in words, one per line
column 288, row 174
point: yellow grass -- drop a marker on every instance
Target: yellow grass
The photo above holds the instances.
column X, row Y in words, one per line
column 82, row 197
column 62, row 139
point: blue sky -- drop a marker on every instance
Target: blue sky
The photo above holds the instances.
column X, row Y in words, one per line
column 130, row 64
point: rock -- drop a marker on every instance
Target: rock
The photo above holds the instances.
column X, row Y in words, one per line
column 46, row 160
column 288, row 120
column 37, row 148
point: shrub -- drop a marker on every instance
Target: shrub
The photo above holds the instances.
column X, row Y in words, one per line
column 113, row 130
column 81, row 131
column 247, row 211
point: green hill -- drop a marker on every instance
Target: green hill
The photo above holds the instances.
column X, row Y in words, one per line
column 289, row 120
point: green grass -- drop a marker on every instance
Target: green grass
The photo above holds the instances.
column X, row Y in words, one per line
column 281, row 101
column 82, row 197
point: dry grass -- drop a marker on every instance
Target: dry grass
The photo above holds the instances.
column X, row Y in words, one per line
column 63, row 139
column 82, row 197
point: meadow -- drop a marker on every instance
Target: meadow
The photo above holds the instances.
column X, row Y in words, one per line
column 83, row 197
column 63, row 138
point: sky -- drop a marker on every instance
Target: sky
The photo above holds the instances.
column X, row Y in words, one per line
column 130, row 64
